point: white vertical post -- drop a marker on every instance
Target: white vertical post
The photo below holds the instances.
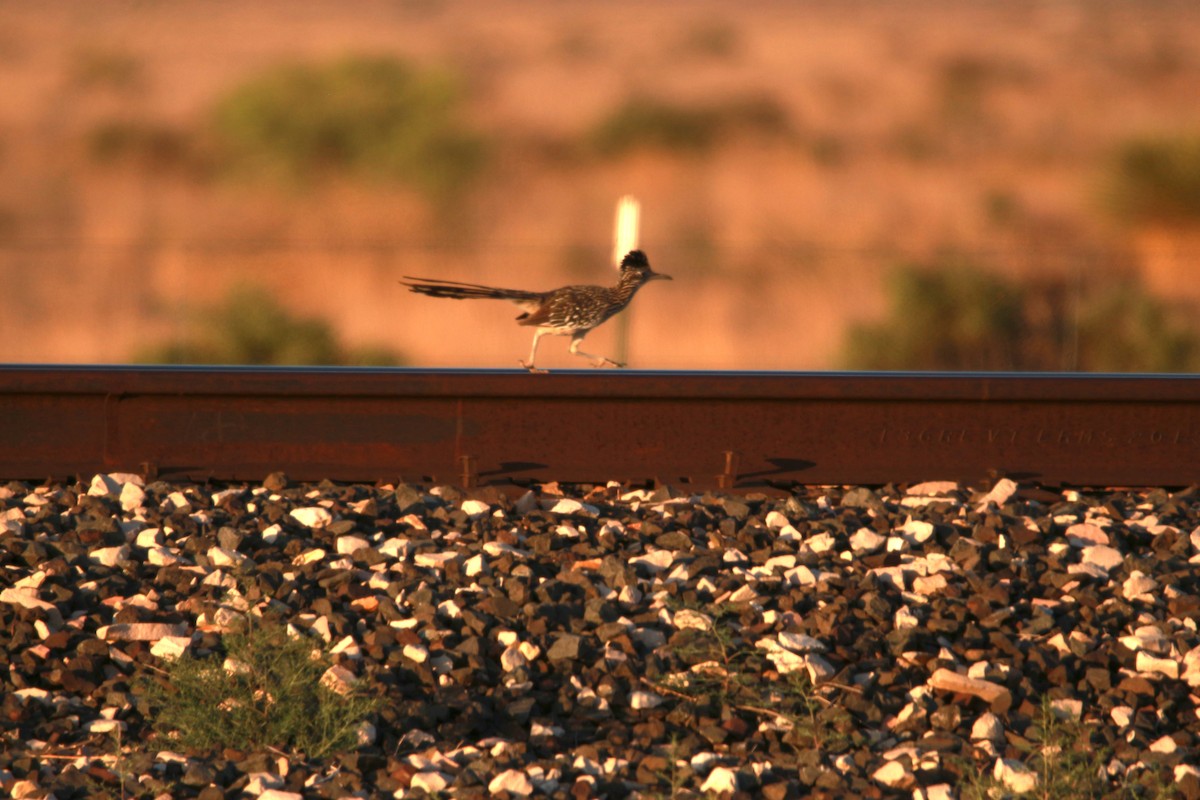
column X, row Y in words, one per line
column 625, row 238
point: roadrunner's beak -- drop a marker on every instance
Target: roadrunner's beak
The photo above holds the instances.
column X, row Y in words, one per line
column 658, row 276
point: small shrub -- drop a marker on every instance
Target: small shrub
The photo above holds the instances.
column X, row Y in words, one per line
column 145, row 142
column 272, row 697
column 1157, row 179
column 1124, row 329
column 715, row 39
column 114, row 69
column 956, row 317
column 251, row 327
column 374, row 118
column 643, row 122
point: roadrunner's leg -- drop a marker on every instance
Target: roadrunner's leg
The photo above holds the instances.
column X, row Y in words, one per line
column 537, row 334
column 597, row 361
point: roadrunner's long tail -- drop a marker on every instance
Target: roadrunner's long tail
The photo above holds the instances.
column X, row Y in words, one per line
column 466, row 291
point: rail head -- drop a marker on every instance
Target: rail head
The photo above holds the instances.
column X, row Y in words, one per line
column 647, row 384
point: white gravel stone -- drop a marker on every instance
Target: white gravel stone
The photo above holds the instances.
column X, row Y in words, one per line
column 109, row 556
column 27, row 598
column 416, row 652
column 513, row 781
column 928, row 585
column 500, row 548
column 801, row 643
column 1139, row 586
column 1103, row 556
column 475, row 565
column 104, row 486
column 743, row 594
column 1067, row 708
column 339, row 679
column 512, row 658
column 804, row 576
column 1167, row 667
column 894, row 775
column 1086, row 534
column 689, row 618
column 26, row 789
column 149, row 537
column 12, row 520
column 916, row 531
column 1164, row 744
column 259, row 782
column 655, row 561
column 645, row 700
column 475, row 508
column 434, row 560
column 719, row 781
column 821, row 543
column 782, row 562
column 987, row 727
column 1122, row 715
column 312, row 516
column 177, row 501
column 141, row 631
column 171, row 647
column 1000, row 494
column 904, row 619
column 132, row 496
column 431, row 782
column 1191, row 667
column 776, row 521
column 819, row 670
column 784, row 660
column 865, row 541
column 567, row 505
column 1015, row 775
column 104, row 726
column 280, row 794
column 932, row 488
column 939, row 791
column 349, row 545
column 224, row 557
column 1148, row 638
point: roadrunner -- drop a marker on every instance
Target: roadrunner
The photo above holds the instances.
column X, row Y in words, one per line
column 570, row 311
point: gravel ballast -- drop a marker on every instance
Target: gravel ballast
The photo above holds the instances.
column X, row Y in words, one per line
column 912, row 641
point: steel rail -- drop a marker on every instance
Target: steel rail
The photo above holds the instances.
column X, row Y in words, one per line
column 737, row 431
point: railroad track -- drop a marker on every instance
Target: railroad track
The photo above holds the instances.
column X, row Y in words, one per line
column 732, row 431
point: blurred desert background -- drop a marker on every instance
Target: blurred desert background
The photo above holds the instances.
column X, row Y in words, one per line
column 960, row 185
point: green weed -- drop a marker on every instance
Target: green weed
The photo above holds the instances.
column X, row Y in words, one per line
column 727, row 672
column 271, row 697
